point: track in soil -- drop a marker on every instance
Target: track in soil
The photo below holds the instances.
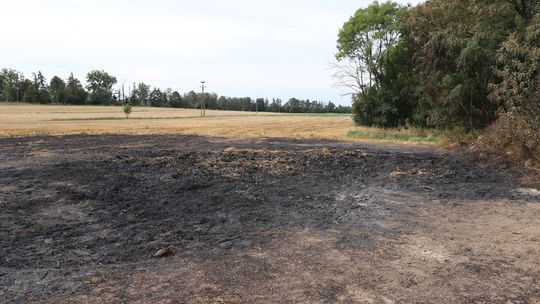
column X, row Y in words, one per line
column 259, row 221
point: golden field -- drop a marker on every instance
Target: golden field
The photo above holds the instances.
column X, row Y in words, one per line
column 31, row 120
column 34, row 120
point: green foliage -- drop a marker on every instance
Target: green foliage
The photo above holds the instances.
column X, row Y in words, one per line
column 369, row 32
column 41, row 89
column 99, row 86
column 57, row 90
column 519, row 92
column 26, row 90
column 455, row 58
column 140, row 94
column 74, row 91
column 15, row 87
column 518, row 59
column 158, row 98
column 457, row 65
column 175, row 100
column 30, row 93
column 526, row 9
column 386, row 93
column 415, row 135
column 432, row 65
column 127, row 108
column 10, row 85
column 363, row 42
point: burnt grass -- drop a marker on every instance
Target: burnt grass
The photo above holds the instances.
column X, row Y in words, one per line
column 70, row 205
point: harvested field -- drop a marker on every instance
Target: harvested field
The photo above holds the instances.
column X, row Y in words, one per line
column 260, row 221
column 39, row 120
column 35, row 120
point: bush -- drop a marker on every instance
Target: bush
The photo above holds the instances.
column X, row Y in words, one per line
column 127, row 109
column 517, row 131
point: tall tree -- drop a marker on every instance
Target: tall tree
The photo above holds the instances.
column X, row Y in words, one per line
column 41, row 87
column 27, row 91
column 519, row 91
column 99, row 86
column 175, row 100
column 456, row 43
column 362, row 50
column 141, row 93
column 191, row 99
column 74, row 91
column 362, row 44
column 57, row 90
column 157, row 98
column 527, row 9
column 10, row 85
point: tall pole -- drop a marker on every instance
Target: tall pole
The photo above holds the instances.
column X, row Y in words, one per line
column 203, row 105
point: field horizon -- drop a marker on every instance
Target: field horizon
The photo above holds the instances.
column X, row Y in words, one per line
column 22, row 119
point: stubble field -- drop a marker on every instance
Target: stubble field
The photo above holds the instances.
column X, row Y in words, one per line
column 32, row 120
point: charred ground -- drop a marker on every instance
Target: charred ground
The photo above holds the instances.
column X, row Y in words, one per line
column 259, row 221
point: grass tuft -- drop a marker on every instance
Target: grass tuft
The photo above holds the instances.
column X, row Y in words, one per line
column 417, row 135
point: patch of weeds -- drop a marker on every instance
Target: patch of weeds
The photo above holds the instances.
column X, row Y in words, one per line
column 420, row 135
column 460, row 136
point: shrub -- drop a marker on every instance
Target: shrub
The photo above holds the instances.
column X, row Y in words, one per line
column 517, row 131
column 127, row 109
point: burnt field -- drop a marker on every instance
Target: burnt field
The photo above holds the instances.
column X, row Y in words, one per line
column 260, row 221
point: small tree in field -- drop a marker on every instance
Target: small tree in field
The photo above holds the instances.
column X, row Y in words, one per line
column 127, row 109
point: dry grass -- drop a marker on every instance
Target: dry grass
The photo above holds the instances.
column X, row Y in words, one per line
column 28, row 120
column 32, row 120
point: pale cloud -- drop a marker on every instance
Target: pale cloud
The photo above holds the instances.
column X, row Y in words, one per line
column 241, row 48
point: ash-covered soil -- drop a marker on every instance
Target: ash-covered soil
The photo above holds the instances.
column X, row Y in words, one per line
column 260, row 221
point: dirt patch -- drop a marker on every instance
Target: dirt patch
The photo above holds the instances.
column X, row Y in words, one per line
column 258, row 221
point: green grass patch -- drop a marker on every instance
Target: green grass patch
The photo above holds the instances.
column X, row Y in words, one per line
column 420, row 136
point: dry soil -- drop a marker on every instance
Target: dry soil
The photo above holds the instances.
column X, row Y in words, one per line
column 260, row 221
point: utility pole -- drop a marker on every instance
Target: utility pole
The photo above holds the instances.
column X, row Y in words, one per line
column 256, row 105
column 203, row 105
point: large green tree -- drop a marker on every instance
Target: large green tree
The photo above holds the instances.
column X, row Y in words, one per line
column 157, row 98
column 100, row 87
column 140, row 94
column 526, row 9
column 519, row 91
column 175, row 100
column 57, row 90
column 455, row 46
column 74, row 91
column 27, row 91
column 364, row 53
column 10, row 85
column 41, row 88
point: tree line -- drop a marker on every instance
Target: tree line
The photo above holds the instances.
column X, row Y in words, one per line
column 100, row 90
column 445, row 64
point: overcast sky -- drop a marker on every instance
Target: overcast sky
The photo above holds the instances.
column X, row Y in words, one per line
column 269, row 48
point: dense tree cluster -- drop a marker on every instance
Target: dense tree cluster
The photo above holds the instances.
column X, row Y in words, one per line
column 100, row 90
column 436, row 64
column 445, row 64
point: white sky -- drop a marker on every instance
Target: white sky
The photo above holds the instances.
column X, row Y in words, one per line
column 268, row 48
